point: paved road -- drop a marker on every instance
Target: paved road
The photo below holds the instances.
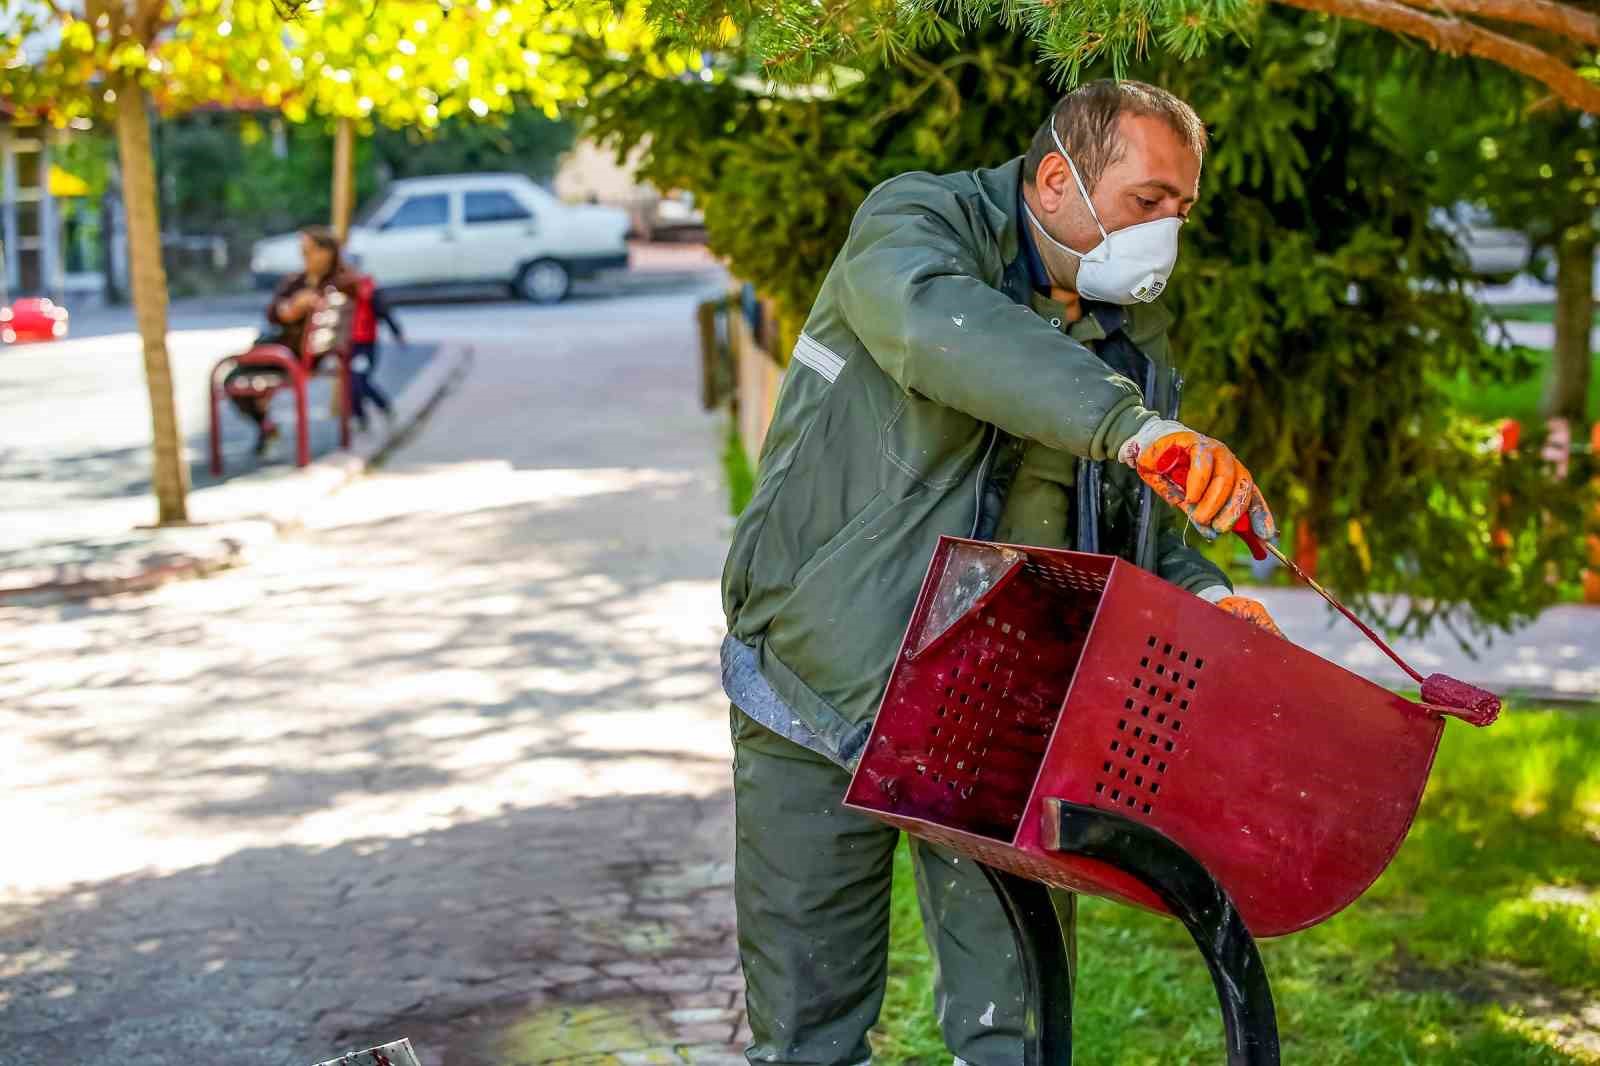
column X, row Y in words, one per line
column 1542, row 335
column 450, row 764
column 75, row 424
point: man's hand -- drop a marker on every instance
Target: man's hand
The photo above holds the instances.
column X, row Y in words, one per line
column 1217, row 489
column 1251, row 611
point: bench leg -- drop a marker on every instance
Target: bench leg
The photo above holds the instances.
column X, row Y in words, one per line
column 216, row 433
column 1048, row 966
column 302, row 426
column 1198, row 901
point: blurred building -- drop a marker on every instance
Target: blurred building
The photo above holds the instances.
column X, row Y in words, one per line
column 50, row 224
column 590, row 173
column 29, row 225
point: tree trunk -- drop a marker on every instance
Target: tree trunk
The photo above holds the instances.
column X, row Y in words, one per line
column 148, row 280
column 344, row 137
column 1567, row 395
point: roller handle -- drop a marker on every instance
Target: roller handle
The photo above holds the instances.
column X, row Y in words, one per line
column 1441, row 693
column 1174, row 466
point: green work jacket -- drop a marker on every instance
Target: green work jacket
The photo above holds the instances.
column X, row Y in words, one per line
column 933, row 392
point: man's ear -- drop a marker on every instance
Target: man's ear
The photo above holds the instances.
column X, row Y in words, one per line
column 1050, row 182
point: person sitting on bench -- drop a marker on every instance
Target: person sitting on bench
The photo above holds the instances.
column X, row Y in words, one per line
column 288, row 313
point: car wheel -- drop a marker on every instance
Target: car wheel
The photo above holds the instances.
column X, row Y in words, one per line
column 544, row 282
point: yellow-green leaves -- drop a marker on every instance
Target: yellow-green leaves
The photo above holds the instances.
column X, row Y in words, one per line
column 407, row 63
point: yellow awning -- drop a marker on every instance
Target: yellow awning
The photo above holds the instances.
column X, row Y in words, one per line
column 64, row 184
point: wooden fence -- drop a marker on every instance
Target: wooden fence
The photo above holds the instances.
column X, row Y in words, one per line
column 741, row 368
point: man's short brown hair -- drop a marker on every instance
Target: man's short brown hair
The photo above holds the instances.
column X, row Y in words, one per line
column 1086, row 121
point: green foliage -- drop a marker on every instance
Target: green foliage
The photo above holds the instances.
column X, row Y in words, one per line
column 779, row 179
column 413, row 63
column 1492, row 140
column 526, row 141
column 1497, row 870
column 804, row 41
column 271, row 193
column 222, row 174
column 1318, row 310
column 87, row 157
column 1519, row 399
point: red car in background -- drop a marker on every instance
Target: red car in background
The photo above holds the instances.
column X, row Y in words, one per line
column 33, row 319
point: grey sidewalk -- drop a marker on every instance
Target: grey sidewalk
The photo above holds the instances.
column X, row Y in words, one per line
column 1557, row 656
column 450, row 762
column 75, row 503
column 74, row 464
column 1542, row 335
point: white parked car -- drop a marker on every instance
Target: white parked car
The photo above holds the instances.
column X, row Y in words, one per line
column 677, row 216
column 470, row 229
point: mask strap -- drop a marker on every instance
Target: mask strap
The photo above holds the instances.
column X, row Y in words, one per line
column 1075, row 177
column 1046, row 233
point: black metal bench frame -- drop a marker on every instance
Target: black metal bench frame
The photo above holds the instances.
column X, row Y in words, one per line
column 1195, row 898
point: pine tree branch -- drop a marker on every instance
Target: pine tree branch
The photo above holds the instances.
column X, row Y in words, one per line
column 1562, row 19
column 1456, row 37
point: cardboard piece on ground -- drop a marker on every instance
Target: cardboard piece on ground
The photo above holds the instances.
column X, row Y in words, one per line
column 398, row 1053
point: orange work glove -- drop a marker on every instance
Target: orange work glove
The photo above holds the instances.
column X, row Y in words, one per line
column 1251, row 611
column 1217, row 490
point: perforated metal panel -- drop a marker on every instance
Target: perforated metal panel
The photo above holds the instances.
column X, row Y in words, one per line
column 1149, row 732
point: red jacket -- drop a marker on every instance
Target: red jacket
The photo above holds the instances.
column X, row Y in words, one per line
column 365, row 327
column 371, row 308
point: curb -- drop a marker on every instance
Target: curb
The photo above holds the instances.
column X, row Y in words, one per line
column 324, row 476
column 205, row 548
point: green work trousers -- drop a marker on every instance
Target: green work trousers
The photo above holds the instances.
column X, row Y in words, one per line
column 811, row 886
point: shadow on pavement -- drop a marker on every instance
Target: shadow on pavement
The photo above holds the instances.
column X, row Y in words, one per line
column 403, row 771
column 293, row 954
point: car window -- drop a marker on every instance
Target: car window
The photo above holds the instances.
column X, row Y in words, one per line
column 373, row 210
column 494, row 205
column 418, row 211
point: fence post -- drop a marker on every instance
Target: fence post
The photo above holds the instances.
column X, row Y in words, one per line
column 706, row 313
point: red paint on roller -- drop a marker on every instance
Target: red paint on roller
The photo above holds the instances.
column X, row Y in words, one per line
column 1475, row 705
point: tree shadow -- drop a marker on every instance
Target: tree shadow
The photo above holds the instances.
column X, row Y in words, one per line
column 291, row 954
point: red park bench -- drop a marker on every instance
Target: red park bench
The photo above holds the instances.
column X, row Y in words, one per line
column 326, row 337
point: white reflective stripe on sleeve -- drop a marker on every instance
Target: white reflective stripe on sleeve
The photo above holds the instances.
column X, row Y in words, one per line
column 818, row 357
column 1213, row 593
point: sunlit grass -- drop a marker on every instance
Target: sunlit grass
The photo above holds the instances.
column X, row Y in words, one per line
column 1517, row 399
column 737, row 469
column 1484, row 929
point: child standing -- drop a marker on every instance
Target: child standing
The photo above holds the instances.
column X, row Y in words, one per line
column 370, row 308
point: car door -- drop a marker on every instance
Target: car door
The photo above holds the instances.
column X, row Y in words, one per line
column 500, row 232
column 414, row 244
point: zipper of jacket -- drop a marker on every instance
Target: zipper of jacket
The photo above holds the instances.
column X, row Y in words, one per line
column 983, row 475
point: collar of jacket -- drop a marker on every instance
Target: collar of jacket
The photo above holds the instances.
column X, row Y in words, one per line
column 1001, row 188
column 998, row 187
column 1098, row 321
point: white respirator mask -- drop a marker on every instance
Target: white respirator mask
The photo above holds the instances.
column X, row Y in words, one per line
column 1129, row 266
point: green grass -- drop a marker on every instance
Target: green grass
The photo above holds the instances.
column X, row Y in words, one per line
column 1439, row 963
column 736, row 469
column 1519, row 400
